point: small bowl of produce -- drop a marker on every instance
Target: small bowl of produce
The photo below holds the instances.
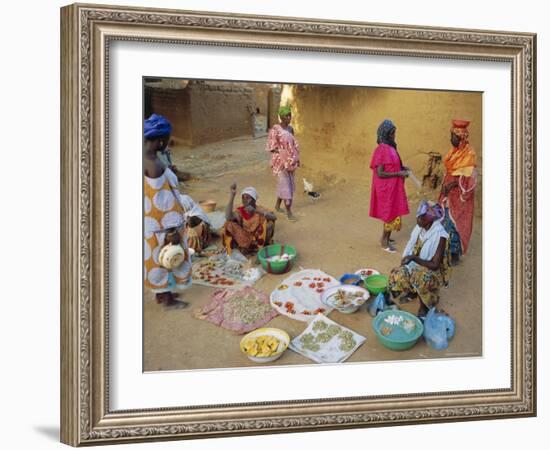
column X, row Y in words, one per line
column 346, row 298
column 277, row 258
column 351, row 279
column 397, row 330
column 366, row 272
column 265, row 344
column 208, row 205
column 376, row 284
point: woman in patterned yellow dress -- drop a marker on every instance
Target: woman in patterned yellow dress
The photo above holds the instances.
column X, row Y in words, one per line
column 424, row 268
column 164, row 217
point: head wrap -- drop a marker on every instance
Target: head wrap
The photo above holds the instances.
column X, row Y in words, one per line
column 460, row 128
column 284, row 111
column 431, row 210
column 156, row 126
column 383, row 133
column 250, row 191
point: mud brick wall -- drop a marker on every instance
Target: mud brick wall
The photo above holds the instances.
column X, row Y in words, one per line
column 220, row 111
column 175, row 105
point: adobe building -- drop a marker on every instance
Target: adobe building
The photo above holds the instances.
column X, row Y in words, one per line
column 204, row 111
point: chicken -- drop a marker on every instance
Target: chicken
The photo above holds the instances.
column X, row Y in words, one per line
column 308, row 189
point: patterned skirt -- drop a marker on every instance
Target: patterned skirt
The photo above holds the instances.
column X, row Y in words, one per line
column 420, row 281
column 285, row 185
column 394, row 225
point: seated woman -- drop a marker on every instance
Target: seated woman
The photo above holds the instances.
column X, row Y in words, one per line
column 198, row 224
column 424, row 267
column 248, row 227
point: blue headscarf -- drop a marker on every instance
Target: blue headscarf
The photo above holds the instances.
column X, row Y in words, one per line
column 156, row 126
column 383, row 133
column 433, row 211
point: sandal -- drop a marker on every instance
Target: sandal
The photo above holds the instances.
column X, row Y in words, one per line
column 389, row 249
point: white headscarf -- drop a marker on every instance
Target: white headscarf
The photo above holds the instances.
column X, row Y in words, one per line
column 192, row 209
column 250, row 191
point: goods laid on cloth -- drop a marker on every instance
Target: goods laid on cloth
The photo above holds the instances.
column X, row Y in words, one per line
column 220, row 270
column 324, row 341
column 240, row 310
column 299, row 295
column 397, row 330
column 439, row 328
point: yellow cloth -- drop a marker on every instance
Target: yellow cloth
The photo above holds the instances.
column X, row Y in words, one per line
column 394, row 225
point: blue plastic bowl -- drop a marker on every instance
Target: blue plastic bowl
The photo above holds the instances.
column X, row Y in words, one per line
column 351, row 279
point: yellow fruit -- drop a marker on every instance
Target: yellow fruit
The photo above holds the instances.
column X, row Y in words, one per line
column 262, row 346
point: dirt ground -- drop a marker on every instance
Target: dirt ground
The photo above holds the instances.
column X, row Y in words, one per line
column 333, row 233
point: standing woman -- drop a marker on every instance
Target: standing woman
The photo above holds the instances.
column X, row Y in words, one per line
column 388, row 200
column 458, row 190
column 164, row 217
column 285, row 159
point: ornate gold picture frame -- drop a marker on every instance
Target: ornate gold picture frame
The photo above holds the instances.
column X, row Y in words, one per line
column 87, row 33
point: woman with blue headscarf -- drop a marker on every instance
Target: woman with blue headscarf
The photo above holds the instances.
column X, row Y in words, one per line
column 164, row 217
column 388, row 200
column 424, row 268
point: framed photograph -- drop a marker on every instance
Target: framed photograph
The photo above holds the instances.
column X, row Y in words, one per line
column 278, row 225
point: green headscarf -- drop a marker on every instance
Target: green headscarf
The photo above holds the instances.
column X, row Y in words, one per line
column 284, row 111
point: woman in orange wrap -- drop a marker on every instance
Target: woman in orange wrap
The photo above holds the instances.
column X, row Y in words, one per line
column 458, row 190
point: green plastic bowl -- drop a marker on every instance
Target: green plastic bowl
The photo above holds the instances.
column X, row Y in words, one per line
column 399, row 338
column 276, row 267
column 376, row 283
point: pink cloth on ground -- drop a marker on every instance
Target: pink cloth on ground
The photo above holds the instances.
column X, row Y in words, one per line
column 388, row 198
column 287, row 156
column 218, row 310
